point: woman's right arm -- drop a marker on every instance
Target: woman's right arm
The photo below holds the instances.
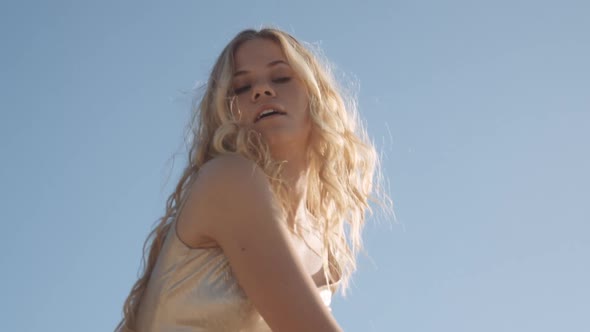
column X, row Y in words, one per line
column 233, row 204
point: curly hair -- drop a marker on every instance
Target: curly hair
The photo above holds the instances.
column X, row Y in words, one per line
column 342, row 161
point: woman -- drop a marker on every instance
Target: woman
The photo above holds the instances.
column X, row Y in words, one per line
column 254, row 236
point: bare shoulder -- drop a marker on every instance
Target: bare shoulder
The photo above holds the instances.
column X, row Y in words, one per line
column 234, row 202
column 227, row 189
column 217, row 181
column 229, row 171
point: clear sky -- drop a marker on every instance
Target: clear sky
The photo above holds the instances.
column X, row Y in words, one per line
column 481, row 110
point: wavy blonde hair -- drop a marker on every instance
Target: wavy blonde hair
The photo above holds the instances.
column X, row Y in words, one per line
column 343, row 163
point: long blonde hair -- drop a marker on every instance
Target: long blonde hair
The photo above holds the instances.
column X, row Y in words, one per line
column 343, row 163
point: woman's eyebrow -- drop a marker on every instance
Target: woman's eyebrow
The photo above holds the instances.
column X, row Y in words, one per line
column 270, row 64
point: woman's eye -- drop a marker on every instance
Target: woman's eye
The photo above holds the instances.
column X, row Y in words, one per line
column 282, row 80
column 241, row 89
column 245, row 88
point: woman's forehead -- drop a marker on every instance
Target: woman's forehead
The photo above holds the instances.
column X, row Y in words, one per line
column 258, row 53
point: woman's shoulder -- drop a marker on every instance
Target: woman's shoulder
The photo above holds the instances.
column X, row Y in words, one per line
column 225, row 169
column 229, row 180
column 224, row 187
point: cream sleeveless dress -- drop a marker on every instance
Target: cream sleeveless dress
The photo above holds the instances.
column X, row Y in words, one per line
column 193, row 289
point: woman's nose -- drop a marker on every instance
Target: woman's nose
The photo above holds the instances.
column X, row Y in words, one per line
column 260, row 90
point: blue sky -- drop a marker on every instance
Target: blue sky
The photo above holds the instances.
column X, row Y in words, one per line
column 480, row 109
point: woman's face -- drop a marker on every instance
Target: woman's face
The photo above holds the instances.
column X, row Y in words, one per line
column 269, row 95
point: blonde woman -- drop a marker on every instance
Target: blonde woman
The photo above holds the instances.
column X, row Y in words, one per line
column 254, row 236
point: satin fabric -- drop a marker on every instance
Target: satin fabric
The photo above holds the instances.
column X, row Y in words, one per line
column 193, row 289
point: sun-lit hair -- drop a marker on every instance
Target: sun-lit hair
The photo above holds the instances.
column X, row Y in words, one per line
column 343, row 163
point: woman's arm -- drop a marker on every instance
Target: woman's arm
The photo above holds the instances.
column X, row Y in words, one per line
column 233, row 204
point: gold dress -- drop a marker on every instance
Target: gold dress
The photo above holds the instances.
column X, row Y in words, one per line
column 193, row 289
